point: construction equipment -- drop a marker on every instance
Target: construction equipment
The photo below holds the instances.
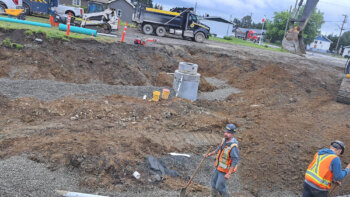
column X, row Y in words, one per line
column 344, row 90
column 293, row 40
column 161, row 22
column 183, row 190
column 142, row 41
column 103, row 20
column 16, row 12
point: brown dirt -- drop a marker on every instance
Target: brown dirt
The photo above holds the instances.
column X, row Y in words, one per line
column 286, row 112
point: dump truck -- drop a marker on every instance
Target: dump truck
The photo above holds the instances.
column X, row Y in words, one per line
column 160, row 22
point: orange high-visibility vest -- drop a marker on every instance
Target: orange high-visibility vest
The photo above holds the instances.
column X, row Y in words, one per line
column 223, row 160
column 318, row 171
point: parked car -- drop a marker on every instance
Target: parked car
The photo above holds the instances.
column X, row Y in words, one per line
column 8, row 4
column 44, row 7
column 64, row 9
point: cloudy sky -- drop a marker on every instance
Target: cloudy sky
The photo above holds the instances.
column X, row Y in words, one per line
column 333, row 10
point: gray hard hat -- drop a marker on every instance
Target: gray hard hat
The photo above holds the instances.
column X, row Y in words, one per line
column 338, row 145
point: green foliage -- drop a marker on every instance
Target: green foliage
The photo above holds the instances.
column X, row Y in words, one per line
column 275, row 28
column 51, row 33
column 237, row 22
column 313, row 27
column 147, row 3
column 18, row 46
column 158, row 6
column 28, row 33
column 345, row 39
column 246, row 22
column 228, row 37
column 7, row 43
column 237, row 41
column 334, row 40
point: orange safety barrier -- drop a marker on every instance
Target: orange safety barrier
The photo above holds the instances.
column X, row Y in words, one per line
column 68, row 23
column 126, row 26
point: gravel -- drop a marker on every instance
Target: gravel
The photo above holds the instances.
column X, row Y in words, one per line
column 51, row 90
column 23, row 177
column 224, row 90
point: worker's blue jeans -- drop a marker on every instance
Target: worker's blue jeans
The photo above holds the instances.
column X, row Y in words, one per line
column 218, row 181
column 309, row 191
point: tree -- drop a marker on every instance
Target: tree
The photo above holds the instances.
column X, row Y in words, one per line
column 345, row 39
column 236, row 23
column 257, row 25
column 158, row 6
column 334, row 39
column 147, row 3
column 246, row 21
column 275, row 29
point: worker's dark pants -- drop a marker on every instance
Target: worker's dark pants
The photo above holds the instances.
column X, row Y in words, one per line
column 309, row 191
column 218, row 181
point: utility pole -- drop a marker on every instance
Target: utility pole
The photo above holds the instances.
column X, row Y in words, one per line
column 262, row 30
column 228, row 27
column 341, row 30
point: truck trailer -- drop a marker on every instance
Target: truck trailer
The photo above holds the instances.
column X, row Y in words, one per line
column 160, row 22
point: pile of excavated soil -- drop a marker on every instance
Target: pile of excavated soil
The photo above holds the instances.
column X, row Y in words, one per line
column 286, row 111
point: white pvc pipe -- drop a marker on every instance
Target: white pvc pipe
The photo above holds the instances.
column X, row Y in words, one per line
column 76, row 194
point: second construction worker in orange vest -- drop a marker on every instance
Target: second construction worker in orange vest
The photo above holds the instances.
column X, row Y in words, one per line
column 323, row 170
column 226, row 161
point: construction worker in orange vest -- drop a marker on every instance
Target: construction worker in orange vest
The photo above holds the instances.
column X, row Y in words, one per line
column 226, row 161
column 323, row 170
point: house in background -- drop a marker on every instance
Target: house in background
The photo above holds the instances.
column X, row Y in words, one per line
column 320, row 44
column 346, row 51
column 218, row 26
column 124, row 8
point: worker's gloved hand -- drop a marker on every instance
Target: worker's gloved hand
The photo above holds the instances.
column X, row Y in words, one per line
column 227, row 176
column 338, row 183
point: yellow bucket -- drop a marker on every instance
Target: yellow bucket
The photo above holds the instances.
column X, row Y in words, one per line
column 348, row 76
column 156, row 95
column 165, row 94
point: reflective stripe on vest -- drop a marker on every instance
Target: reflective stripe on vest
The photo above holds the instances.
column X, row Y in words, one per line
column 318, row 171
column 223, row 160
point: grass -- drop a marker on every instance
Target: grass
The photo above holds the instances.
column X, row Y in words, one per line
column 246, row 43
column 51, row 33
column 8, row 43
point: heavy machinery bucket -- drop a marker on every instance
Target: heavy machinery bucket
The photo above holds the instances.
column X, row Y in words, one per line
column 293, row 41
column 344, row 91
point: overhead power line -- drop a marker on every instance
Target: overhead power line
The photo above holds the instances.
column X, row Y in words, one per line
column 335, row 4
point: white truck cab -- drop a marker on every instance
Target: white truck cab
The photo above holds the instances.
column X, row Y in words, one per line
column 9, row 4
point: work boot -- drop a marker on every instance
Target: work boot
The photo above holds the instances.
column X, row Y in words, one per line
column 226, row 194
column 214, row 192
